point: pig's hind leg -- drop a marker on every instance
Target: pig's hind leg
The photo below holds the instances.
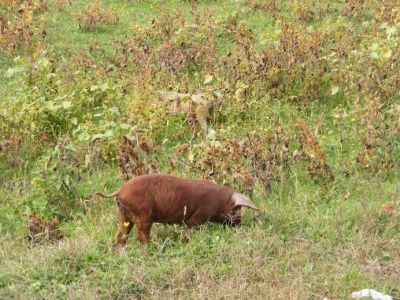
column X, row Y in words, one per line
column 143, row 226
column 124, row 228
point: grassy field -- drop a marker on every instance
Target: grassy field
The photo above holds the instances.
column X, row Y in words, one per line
column 308, row 125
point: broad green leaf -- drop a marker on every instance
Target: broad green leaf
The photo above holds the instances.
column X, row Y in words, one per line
column 104, row 86
column 387, row 54
column 390, row 31
column 93, row 88
column 191, row 156
column 108, row 133
column 374, row 55
column 208, row 78
column 60, row 98
column 97, row 136
column 334, row 90
column 384, row 25
column 43, row 63
column 211, row 135
column 66, row 104
column 75, row 131
column 12, row 71
column 114, row 110
column 50, row 105
column 84, row 137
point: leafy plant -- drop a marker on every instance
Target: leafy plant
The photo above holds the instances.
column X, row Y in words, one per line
column 94, row 16
column 23, row 30
column 317, row 167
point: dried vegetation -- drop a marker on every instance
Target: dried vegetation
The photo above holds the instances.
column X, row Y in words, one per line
column 302, row 114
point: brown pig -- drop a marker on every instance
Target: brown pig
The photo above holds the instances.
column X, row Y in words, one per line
column 167, row 199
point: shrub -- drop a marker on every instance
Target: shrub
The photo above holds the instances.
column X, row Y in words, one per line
column 94, row 16
column 23, row 29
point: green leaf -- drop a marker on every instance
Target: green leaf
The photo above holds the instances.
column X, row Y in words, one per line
column 97, row 136
column 390, row 31
column 74, row 121
column 114, row 110
column 52, row 106
column 387, row 54
column 211, row 135
column 104, row 87
column 185, row 99
column 75, row 131
column 208, row 79
column 108, row 133
column 375, row 46
column 334, row 90
column 85, row 137
column 43, row 63
column 12, row 71
column 66, row 104
column 374, row 55
column 191, row 156
column 309, row 267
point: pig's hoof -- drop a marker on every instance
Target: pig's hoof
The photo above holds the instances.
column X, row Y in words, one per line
column 117, row 249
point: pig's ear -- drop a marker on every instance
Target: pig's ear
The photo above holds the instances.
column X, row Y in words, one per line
column 242, row 200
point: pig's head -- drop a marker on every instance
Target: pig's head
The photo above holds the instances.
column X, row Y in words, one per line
column 232, row 212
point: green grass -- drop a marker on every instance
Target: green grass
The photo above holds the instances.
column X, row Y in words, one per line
column 63, row 30
column 309, row 241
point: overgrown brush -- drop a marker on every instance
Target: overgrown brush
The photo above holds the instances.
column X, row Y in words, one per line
column 79, row 118
column 23, row 29
column 19, row 6
column 131, row 158
column 94, row 16
column 317, row 164
column 240, row 163
column 69, row 136
column 299, row 64
column 269, row 6
column 379, row 137
column 171, row 46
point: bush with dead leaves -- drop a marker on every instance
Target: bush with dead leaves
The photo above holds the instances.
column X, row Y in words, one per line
column 94, row 15
column 170, row 45
column 40, row 230
column 317, row 167
column 132, row 158
column 242, row 163
column 23, row 30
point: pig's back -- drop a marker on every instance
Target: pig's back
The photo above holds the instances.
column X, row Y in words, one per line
column 178, row 199
column 170, row 199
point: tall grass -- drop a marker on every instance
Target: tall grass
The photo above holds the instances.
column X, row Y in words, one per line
column 297, row 105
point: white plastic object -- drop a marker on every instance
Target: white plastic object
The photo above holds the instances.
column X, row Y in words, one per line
column 370, row 293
